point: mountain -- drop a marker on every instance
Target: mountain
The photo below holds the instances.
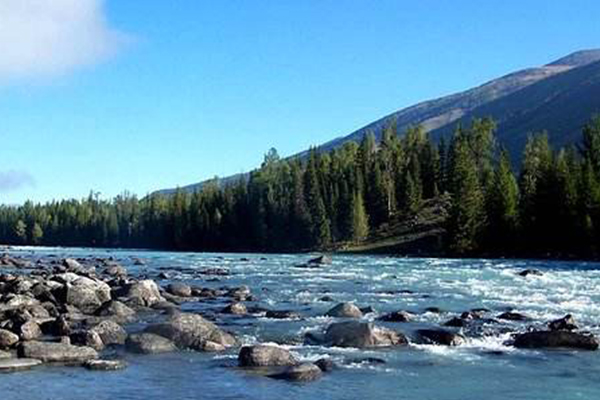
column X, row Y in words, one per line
column 558, row 97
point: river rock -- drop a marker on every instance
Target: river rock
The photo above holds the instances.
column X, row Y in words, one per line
column 396, row 316
column 556, row 339
column 86, row 294
column 192, row 331
column 179, row 289
column 282, row 314
column 533, row 272
column 440, row 336
column 105, row 365
column 144, row 293
column 265, row 356
column 236, row 308
column 362, row 335
column 7, row 339
column 117, row 310
column 115, row 270
column 56, row 352
column 513, row 316
column 110, row 332
column 300, row 373
column 30, row 330
column 345, row 310
column 18, row 364
column 149, row 343
column 321, row 260
column 325, row 364
column 86, row 338
column 566, row 323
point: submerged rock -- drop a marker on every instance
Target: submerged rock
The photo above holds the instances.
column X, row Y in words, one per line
column 105, row 365
column 345, row 310
column 512, row 316
column 282, row 314
column 533, row 272
column 556, row 339
column 18, row 364
column 265, row 356
column 362, row 335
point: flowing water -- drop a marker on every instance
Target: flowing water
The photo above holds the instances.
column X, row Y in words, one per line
column 484, row 368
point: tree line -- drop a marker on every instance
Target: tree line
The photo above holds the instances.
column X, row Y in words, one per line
column 551, row 207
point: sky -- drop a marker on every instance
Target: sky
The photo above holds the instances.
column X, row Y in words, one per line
column 141, row 95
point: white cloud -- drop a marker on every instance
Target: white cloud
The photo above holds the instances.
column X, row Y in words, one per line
column 46, row 38
column 13, row 180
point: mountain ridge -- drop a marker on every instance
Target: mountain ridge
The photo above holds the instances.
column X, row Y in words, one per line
column 440, row 115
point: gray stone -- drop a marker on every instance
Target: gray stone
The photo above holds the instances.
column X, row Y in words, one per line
column 345, row 310
column 149, row 343
column 362, row 335
column 18, row 364
column 56, row 352
column 265, row 356
column 192, row 331
column 300, row 373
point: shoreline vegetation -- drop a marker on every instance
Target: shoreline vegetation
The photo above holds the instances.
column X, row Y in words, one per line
column 402, row 195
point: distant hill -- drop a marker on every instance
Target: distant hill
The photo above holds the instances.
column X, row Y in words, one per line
column 558, row 97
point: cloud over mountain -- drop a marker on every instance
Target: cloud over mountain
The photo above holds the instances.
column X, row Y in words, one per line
column 44, row 39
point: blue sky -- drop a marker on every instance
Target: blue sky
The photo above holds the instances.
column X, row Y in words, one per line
column 143, row 95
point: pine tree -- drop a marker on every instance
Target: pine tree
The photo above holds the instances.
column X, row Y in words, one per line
column 502, row 207
column 360, row 222
column 467, row 215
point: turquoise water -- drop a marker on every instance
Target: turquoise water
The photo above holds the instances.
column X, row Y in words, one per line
column 485, row 367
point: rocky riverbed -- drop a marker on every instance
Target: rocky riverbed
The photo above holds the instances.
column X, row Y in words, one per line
column 289, row 321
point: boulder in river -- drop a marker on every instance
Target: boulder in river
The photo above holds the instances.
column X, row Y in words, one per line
column 179, row 289
column 236, row 308
column 556, row 339
column 143, row 293
column 566, row 323
column 440, row 337
column 117, row 310
column 345, row 310
column 110, row 332
column 192, row 331
column 396, row 316
column 149, row 343
column 361, row 335
column 299, row 373
column 56, row 352
column 8, row 339
column 265, row 356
